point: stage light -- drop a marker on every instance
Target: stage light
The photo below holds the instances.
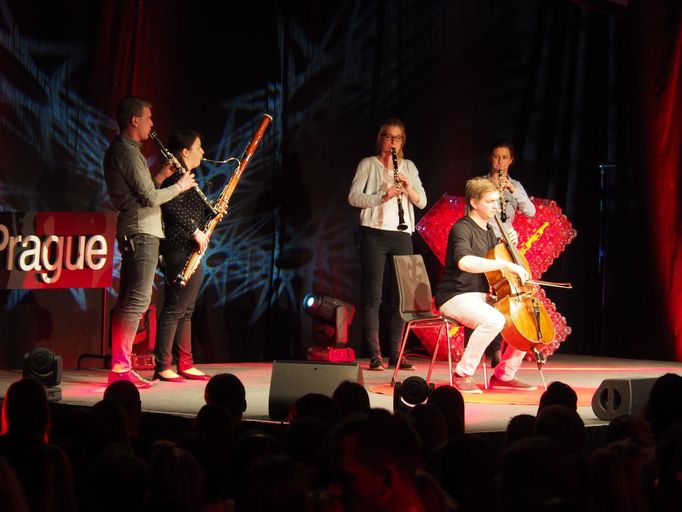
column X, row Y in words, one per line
column 46, row 367
column 331, row 318
column 411, row 392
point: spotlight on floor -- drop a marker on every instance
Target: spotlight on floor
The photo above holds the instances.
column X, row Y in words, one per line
column 46, row 367
column 412, row 391
column 331, row 318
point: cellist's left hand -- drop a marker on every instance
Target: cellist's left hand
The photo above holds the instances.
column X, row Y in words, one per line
column 513, row 236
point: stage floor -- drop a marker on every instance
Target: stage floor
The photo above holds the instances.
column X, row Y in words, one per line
column 488, row 412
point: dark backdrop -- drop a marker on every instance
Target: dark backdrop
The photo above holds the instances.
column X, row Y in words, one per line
column 565, row 81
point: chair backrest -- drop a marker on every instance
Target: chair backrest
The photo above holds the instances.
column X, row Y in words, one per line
column 413, row 286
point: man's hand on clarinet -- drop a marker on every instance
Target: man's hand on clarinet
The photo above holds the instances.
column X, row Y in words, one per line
column 187, row 181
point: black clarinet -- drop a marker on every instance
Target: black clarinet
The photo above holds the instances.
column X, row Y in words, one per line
column 179, row 168
column 503, row 197
column 401, row 213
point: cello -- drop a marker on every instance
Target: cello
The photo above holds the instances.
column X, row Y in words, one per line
column 528, row 326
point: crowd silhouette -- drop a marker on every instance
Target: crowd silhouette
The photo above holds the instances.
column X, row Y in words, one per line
column 336, row 454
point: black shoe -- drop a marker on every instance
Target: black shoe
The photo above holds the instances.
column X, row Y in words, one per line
column 194, row 376
column 158, row 376
column 404, row 365
column 495, row 358
column 376, row 365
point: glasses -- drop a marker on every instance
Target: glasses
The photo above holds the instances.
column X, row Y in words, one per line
column 393, row 138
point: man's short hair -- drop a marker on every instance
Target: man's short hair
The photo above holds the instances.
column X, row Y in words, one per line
column 127, row 108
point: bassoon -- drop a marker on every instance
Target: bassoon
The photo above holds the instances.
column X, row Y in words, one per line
column 223, row 200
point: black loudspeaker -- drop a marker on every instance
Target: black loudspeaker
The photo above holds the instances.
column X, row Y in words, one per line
column 44, row 365
column 293, row 379
column 618, row 397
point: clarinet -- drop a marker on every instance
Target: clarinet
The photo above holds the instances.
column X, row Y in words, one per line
column 179, row 168
column 503, row 198
column 401, row 213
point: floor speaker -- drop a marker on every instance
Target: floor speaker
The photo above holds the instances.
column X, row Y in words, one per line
column 293, row 379
column 618, row 397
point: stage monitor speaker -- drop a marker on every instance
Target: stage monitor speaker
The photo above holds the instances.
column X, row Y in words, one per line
column 618, row 397
column 293, row 379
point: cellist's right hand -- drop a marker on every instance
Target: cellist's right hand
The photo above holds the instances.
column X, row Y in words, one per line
column 518, row 270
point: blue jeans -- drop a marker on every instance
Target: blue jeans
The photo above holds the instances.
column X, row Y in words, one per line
column 174, row 328
column 376, row 248
column 140, row 255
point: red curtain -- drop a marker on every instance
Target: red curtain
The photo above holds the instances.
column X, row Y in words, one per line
column 136, row 48
column 657, row 59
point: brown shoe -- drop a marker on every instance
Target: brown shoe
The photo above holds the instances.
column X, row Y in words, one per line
column 465, row 384
column 131, row 376
column 513, row 385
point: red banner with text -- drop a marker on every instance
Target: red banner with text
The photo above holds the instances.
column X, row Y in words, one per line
column 40, row 250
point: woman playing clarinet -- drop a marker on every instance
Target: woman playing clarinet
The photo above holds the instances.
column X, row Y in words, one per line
column 184, row 220
column 386, row 187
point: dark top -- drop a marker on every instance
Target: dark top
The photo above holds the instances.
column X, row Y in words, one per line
column 181, row 217
column 466, row 237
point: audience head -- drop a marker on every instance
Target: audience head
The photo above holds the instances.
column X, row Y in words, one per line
column 11, row 492
column 558, row 393
column 669, row 467
column 48, row 482
column 315, row 405
column 351, row 397
column 563, row 425
column 555, row 476
column 469, row 482
column 25, row 412
column 520, row 426
column 126, row 393
column 615, row 478
column 429, row 423
column 305, row 439
column 451, row 403
column 175, row 479
column 227, row 390
column 374, row 456
column 630, row 428
column 217, row 421
column 113, row 416
column 664, row 407
column 275, row 483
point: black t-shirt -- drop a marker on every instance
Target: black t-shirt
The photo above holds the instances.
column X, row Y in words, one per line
column 466, row 237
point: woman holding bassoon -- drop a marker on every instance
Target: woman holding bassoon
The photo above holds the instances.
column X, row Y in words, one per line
column 184, row 219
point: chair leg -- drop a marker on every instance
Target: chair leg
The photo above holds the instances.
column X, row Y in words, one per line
column 447, row 339
column 485, row 373
column 433, row 357
column 400, row 355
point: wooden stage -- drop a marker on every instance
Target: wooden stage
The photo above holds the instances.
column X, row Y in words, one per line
column 488, row 412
